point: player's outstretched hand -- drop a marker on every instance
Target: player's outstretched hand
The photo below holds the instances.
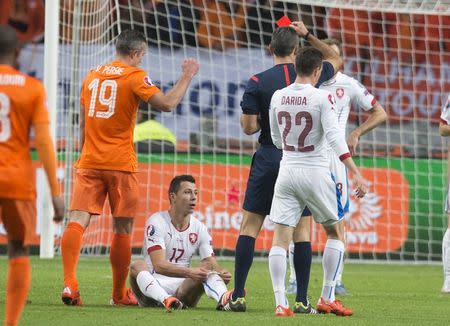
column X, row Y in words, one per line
column 190, row 67
column 58, row 206
column 300, row 28
column 360, row 185
column 198, row 274
column 225, row 275
column 352, row 142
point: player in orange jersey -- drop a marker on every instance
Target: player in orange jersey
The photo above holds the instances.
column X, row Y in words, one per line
column 107, row 166
column 22, row 106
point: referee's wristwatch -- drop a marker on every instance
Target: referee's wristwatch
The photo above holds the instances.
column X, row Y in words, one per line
column 307, row 35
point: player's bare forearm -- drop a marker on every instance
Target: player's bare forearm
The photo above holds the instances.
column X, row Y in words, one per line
column 350, row 165
column 444, row 130
column 358, row 181
column 250, row 124
column 167, row 102
column 211, row 264
column 176, row 94
column 169, row 269
column 377, row 116
column 47, row 156
column 328, row 53
column 164, row 267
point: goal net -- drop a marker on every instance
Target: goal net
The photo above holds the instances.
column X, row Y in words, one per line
column 399, row 49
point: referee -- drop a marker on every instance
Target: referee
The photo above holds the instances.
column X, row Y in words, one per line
column 266, row 160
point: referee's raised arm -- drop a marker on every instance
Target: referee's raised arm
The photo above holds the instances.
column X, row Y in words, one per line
column 327, row 51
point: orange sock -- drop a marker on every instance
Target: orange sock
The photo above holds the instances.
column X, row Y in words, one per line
column 120, row 258
column 19, row 279
column 70, row 250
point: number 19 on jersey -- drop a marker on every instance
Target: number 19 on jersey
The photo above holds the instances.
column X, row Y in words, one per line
column 106, row 87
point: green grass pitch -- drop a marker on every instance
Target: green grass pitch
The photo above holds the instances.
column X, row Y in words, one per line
column 381, row 295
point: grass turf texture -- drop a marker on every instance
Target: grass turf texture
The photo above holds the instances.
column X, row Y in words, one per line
column 381, row 295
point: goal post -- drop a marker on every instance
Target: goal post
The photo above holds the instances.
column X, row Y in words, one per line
column 44, row 201
column 398, row 49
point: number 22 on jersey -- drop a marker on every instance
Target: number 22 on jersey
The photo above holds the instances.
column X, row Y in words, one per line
column 5, row 122
column 299, row 117
column 107, row 97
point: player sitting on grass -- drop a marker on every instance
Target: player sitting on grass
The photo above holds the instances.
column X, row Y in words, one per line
column 165, row 276
column 302, row 121
column 107, row 166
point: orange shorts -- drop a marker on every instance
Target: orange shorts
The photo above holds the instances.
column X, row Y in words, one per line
column 91, row 187
column 19, row 219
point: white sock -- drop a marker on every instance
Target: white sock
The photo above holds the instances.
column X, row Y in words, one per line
column 333, row 259
column 292, row 277
column 339, row 277
column 277, row 267
column 214, row 286
column 446, row 255
column 150, row 287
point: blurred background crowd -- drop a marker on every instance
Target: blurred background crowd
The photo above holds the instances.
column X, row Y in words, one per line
column 224, row 24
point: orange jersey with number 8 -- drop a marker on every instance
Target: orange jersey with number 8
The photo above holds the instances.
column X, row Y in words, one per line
column 22, row 104
column 110, row 96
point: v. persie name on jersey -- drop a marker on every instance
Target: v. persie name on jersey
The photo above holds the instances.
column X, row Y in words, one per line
column 15, row 80
column 110, row 70
column 293, row 100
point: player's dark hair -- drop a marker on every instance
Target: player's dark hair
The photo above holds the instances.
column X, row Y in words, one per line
column 284, row 40
column 176, row 182
column 333, row 41
column 128, row 41
column 308, row 59
column 8, row 41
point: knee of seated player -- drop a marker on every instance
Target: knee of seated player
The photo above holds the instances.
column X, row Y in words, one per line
column 122, row 225
column 190, row 292
column 251, row 224
column 17, row 249
column 302, row 232
column 136, row 267
column 80, row 217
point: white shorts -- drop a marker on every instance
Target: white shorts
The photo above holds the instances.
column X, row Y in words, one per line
column 169, row 284
column 299, row 187
column 339, row 173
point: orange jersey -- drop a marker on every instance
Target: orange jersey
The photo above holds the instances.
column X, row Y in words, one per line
column 110, row 96
column 22, row 104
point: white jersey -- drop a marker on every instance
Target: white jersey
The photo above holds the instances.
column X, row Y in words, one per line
column 303, row 122
column 445, row 114
column 180, row 246
column 348, row 91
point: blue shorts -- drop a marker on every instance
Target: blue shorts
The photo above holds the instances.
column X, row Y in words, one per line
column 261, row 181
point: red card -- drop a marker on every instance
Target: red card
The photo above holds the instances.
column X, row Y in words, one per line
column 284, row 21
